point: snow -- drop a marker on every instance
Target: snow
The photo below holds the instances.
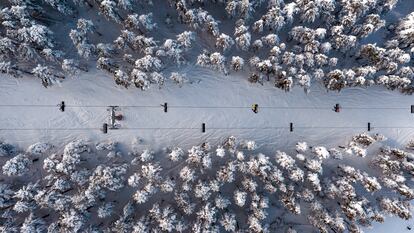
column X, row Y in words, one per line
column 223, row 102
column 204, row 88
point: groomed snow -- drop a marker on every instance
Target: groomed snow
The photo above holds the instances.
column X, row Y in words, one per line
column 207, row 88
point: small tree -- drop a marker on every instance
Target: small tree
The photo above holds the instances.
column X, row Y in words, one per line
column 17, row 166
column 237, row 63
column 47, row 76
column 105, row 210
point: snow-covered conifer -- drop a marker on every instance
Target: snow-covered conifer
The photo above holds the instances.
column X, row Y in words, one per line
column 240, row 198
column 148, row 63
column 122, row 78
column 224, row 42
column 321, row 152
column 396, row 207
column 9, row 69
column 46, row 75
column 85, row 25
column 72, row 220
column 37, row 34
column 105, row 210
column 237, row 63
column 17, row 166
column 229, row 222
column 178, row 78
column 111, row 178
column 221, row 202
column 301, row 146
column 108, row 8
column 168, row 185
column 187, row 174
column 71, row 67
column 249, row 145
column 335, row 80
column 271, row 40
column 176, row 154
column 147, row 155
column 404, row 31
column 125, row 4
column 186, row 38
column 140, row 79
column 38, row 148
column 220, row 151
column 32, row 224
column 218, row 62
column 274, row 18
column 243, row 41
column 284, row 160
column 6, row 195
column 203, row 59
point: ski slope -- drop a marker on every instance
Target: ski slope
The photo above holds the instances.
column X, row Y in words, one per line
column 312, row 114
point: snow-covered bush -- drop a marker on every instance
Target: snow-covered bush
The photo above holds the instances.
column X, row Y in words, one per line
column 176, row 154
column 17, row 166
column 32, row 224
column 321, row 152
column 6, row 149
column 38, row 148
column 178, row 78
column 240, row 198
column 147, row 155
column 105, row 210
column 46, row 75
column 6, row 195
column 76, row 147
column 249, row 145
column 237, row 63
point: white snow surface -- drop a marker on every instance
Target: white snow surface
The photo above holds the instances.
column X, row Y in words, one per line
column 207, row 89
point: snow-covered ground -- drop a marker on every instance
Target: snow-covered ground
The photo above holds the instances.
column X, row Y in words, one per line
column 207, row 89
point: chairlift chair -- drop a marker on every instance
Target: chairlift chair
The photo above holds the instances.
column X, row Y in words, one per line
column 337, row 108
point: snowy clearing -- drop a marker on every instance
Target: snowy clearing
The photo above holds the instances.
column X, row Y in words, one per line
column 208, row 89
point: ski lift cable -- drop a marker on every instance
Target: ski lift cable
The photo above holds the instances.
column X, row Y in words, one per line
column 202, row 107
column 209, row 128
column 45, row 129
column 27, row 105
column 376, row 108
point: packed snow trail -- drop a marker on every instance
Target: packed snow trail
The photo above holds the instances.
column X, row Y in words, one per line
column 315, row 123
column 207, row 89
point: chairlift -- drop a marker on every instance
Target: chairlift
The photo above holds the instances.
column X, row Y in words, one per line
column 165, row 106
column 62, row 106
column 105, row 128
column 255, row 108
column 337, row 108
column 114, row 117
